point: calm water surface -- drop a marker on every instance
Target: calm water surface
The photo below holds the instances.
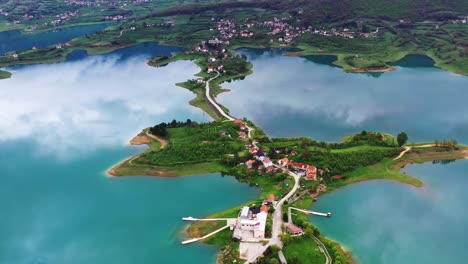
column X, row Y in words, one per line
column 62, row 126
column 15, row 40
column 289, row 96
column 387, row 222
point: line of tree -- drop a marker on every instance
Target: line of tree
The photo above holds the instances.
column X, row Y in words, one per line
column 447, row 143
column 160, row 129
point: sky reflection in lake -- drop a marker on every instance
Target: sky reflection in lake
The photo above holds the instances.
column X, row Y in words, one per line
column 76, row 106
column 296, row 97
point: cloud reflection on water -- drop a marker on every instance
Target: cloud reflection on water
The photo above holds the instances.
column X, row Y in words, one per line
column 325, row 103
column 77, row 106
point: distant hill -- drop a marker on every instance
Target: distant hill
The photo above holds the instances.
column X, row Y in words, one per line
column 318, row 11
column 332, row 10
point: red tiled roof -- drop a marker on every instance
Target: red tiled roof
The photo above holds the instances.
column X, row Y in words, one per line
column 294, row 229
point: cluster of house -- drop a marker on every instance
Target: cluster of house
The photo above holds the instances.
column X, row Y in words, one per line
column 3, row 12
column 116, row 18
column 459, row 21
column 309, row 171
column 229, row 28
column 251, row 223
column 243, row 128
column 263, row 161
column 105, row 3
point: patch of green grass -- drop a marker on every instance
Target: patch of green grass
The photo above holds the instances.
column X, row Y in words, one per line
column 383, row 170
column 303, row 250
column 359, row 148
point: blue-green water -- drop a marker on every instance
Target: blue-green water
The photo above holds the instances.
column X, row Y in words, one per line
column 14, row 40
column 388, row 222
column 61, row 127
column 289, row 96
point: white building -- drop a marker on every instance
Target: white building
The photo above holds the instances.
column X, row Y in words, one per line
column 257, row 225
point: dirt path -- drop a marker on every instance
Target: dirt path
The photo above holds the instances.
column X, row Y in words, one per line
column 163, row 141
column 409, row 148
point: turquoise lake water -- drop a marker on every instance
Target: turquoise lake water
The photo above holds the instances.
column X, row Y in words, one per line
column 14, row 40
column 63, row 125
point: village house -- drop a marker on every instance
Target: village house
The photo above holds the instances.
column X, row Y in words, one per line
column 294, row 230
column 200, row 80
column 260, row 155
column 267, row 162
column 242, row 134
column 249, row 163
column 311, row 173
column 283, row 162
column 251, row 224
column 269, row 168
column 210, row 69
column 271, row 198
column 238, row 122
column 253, row 150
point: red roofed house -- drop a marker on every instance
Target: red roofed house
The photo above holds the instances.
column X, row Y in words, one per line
column 311, row 173
column 260, row 167
column 294, row 230
column 242, row 134
column 210, row 69
column 253, row 150
column 243, row 127
column 283, row 162
column 293, row 153
column 269, row 169
column 267, row 162
column 299, row 166
column 264, row 208
column 248, row 144
column 249, row 163
column 238, row 122
column 271, row 198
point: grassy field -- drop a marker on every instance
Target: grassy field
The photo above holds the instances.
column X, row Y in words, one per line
column 303, row 250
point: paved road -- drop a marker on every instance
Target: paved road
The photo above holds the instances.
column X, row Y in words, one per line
column 278, row 218
column 213, row 102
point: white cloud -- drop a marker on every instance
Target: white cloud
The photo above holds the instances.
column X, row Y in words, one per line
column 78, row 106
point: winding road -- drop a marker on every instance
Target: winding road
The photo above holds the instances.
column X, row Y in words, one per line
column 278, row 214
column 212, row 101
